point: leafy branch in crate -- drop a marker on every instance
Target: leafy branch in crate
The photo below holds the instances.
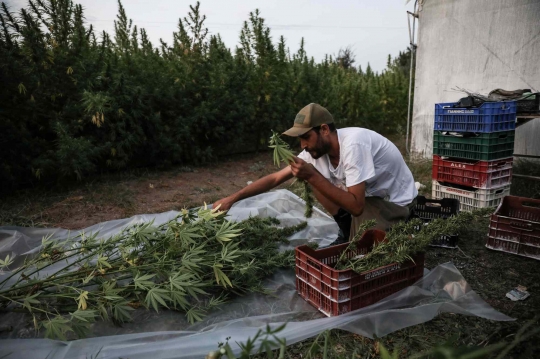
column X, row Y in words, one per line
column 282, row 153
column 404, row 240
column 191, row 264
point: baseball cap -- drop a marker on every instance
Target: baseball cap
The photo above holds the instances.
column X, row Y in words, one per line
column 312, row 115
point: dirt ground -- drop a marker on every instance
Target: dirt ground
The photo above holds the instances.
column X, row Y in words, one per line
column 109, row 197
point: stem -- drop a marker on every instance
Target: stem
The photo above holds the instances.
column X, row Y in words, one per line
column 35, row 271
column 38, row 309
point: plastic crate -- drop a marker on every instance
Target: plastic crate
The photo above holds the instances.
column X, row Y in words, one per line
column 470, row 198
column 430, row 209
column 480, row 147
column 472, row 173
column 530, row 104
column 489, row 117
column 335, row 292
column 515, row 227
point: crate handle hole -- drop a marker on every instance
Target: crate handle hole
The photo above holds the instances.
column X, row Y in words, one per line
column 429, row 204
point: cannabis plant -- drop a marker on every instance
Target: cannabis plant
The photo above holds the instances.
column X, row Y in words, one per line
column 191, row 264
column 403, row 241
column 282, row 153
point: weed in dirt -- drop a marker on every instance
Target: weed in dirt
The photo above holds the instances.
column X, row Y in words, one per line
column 202, row 190
column 257, row 166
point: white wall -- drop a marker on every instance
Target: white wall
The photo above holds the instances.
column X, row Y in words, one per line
column 479, row 45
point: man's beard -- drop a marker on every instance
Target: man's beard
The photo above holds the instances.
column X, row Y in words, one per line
column 320, row 149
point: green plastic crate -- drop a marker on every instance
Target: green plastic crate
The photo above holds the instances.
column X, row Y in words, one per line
column 482, row 147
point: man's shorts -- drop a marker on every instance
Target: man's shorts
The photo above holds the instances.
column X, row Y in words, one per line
column 385, row 213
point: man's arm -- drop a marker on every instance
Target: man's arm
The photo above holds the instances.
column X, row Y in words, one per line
column 352, row 200
column 261, row 185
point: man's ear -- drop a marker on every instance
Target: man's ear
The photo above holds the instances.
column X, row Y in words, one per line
column 325, row 129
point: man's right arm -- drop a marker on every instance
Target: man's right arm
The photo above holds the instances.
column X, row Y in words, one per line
column 260, row 186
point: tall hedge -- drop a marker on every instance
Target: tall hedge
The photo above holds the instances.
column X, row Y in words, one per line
column 74, row 102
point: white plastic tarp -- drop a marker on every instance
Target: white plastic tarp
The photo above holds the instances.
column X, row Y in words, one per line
column 167, row 334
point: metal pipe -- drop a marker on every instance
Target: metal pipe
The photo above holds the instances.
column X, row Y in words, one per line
column 413, row 50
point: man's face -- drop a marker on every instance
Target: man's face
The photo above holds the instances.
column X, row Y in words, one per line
column 314, row 143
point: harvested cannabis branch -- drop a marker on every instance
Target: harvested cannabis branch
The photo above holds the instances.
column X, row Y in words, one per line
column 191, row 264
column 282, row 153
column 404, row 240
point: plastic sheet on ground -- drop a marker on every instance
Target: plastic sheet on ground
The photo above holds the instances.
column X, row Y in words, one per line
column 167, row 334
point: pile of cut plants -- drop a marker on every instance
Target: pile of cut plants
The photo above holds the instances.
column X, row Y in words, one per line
column 404, row 240
column 192, row 264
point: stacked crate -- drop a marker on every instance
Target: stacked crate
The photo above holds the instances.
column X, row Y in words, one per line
column 473, row 153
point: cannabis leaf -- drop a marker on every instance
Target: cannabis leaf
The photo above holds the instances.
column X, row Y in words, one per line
column 84, row 315
column 102, row 262
column 227, row 231
column 28, row 301
column 81, row 300
column 220, row 276
column 179, row 298
column 188, row 234
column 121, row 312
column 57, row 327
column 282, row 153
column 156, row 296
column 6, row 262
column 143, row 281
column 194, row 315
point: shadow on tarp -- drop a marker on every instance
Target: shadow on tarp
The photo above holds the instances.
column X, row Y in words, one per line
column 168, row 335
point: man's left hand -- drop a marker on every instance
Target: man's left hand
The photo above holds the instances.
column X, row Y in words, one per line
column 302, row 170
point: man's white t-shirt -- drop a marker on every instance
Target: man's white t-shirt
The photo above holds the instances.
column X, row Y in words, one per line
column 366, row 156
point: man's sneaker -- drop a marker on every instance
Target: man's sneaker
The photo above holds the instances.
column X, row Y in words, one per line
column 339, row 240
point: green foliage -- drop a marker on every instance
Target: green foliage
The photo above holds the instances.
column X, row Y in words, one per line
column 282, row 153
column 76, row 102
column 270, row 344
column 191, row 264
column 404, row 240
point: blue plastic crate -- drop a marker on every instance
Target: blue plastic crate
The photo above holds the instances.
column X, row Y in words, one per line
column 490, row 117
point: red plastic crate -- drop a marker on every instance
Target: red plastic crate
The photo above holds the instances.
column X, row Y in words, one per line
column 472, row 173
column 515, row 227
column 335, row 292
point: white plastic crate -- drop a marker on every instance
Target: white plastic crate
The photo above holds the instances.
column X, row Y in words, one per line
column 471, row 200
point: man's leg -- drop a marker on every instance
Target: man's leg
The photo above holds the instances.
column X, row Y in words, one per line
column 342, row 217
column 385, row 213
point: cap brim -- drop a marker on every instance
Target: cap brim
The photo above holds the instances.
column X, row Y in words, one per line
column 296, row 131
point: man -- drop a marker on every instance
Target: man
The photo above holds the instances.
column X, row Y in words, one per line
column 355, row 173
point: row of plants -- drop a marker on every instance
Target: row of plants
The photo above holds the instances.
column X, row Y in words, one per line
column 74, row 102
